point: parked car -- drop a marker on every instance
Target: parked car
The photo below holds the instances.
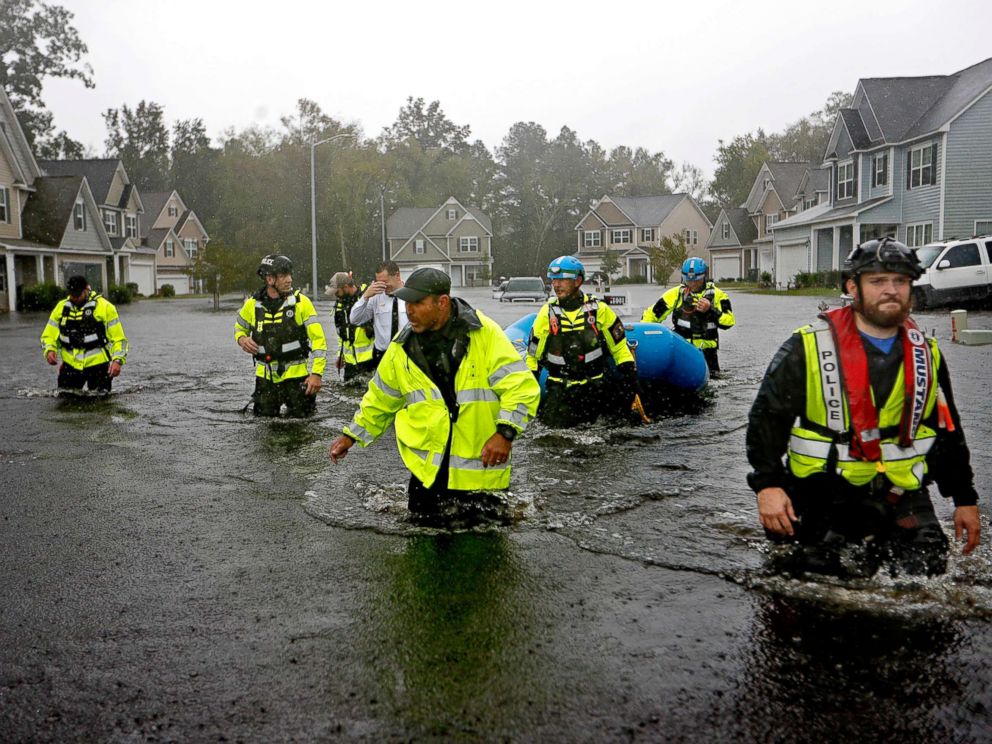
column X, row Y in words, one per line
column 498, row 290
column 954, row 271
column 524, row 289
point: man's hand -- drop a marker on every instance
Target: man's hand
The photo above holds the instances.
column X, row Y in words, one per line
column 340, row 447
column 967, row 520
column 114, row 369
column 775, row 511
column 312, row 384
column 374, row 288
column 496, row 451
column 246, row 343
column 51, row 357
column 703, row 305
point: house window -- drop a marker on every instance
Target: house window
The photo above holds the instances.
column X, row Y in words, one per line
column 468, row 245
column 621, row 236
column 770, row 219
column 4, row 204
column 131, row 225
column 170, row 248
column 921, row 170
column 647, row 235
column 695, row 237
column 592, row 239
column 191, row 246
column 173, row 210
column 983, row 227
column 918, row 234
column 418, row 246
column 79, row 216
column 725, row 231
column 809, row 202
column 110, row 221
column 880, row 169
column 845, row 180
column 452, row 214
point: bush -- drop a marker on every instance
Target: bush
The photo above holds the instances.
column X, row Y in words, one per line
column 639, row 279
column 120, row 295
column 41, row 296
column 166, row 290
column 766, row 279
column 133, row 288
column 809, row 279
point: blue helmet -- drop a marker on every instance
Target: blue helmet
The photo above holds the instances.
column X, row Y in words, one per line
column 693, row 268
column 566, row 267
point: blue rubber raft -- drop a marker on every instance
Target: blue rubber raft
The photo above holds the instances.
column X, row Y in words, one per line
column 663, row 357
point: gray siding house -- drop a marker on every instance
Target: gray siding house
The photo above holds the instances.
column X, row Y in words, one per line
column 731, row 244
column 911, row 157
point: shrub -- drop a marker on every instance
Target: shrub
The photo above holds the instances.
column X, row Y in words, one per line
column 41, row 296
column 167, row 290
column 766, row 279
column 809, row 279
column 120, row 295
column 133, row 288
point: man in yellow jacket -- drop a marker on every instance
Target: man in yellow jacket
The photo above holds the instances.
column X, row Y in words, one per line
column 279, row 328
column 457, row 392
column 85, row 331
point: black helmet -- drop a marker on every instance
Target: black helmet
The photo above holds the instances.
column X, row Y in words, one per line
column 887, row 254
column 275, row 264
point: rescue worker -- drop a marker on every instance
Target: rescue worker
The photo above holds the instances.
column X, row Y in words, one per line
column 572, row 337
column 699, row 310
column 380, row 305
column 85, row 332
column 458, row 392
column 861, row 407
column 278, row 326
column 355, row 343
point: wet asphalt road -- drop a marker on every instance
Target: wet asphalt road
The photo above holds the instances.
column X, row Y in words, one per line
column 173, row 570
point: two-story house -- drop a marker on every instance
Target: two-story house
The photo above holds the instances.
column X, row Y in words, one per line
column 630, row 226
column 453, row 238
column 772, row 199
column 911, row 157
column 172, row 230
column 731, row 245
column 50, row 226
column 120, row 210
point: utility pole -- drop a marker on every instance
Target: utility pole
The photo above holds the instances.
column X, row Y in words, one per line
column 382, row 220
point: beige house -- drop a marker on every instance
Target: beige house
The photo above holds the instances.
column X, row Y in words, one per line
column 631, row 226
column 177, row 236
column 452, row 237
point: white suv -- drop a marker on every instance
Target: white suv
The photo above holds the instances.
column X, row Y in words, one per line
column 954, row 271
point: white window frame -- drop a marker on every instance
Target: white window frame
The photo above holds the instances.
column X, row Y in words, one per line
column 809, row 202
column 79, row 216
column 880, row 176
column 131, row 226
column 468, row 244
column 845, row 185
column 191, row 247
column 770, row 220
column 620, row 236
column 987, row 222
column 725, row 231
column 5, row 205
column 170, row 248
column 647, row 234
column 110, row 221
column 916, row 234
column 452, row 214
column 926, row 164
column 592, row 239
column 419, row 246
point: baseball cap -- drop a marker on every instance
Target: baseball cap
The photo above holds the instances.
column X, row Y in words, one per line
column 76, row 284
column 424, row 282
column 340, row 279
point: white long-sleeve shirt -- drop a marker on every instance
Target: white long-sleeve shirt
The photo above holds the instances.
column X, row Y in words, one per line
column 379, row 309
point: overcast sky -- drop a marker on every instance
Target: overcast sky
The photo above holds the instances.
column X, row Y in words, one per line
column 675, row 78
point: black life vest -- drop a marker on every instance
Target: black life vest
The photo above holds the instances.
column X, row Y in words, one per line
column 574, row 349
column 342, row 317
column 79, row 329
column 279, row 337
column 689, row 323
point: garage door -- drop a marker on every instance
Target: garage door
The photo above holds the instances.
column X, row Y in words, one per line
column 792, row 259
column 144, row 277
column 726, row 267
column 179, row 282
column 405, row 271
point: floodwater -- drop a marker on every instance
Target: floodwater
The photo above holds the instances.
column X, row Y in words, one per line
column 175, row 570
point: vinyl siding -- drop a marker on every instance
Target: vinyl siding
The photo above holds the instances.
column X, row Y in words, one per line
column 13, row 228
column 868, row 169
column 88, row 239
column 430, row 254
column 720, row 242
column 116, row 189
column 685, row 215
column 968, row 187
column 441, row 224
column 921, row 204
column 611, row 215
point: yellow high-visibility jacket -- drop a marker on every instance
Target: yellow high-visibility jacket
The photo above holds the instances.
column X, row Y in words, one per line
column 296, row 343
column 87, row 335
column 701, row 329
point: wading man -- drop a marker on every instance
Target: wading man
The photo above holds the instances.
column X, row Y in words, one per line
column 355, row 344
column 381, row 306
column 279, row 328
column 860, row 405
column 458, row 394
column 85, row 332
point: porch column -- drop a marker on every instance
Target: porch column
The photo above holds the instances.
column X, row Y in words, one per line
column 837, row 259
column 11, row 282
column 39, row 264
column 117, row 268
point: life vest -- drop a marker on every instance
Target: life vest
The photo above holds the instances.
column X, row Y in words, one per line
column 843, row 430
column 279, row 336
column 575, row 349
column 357, row 341
column 699, row 328
column 79, row 329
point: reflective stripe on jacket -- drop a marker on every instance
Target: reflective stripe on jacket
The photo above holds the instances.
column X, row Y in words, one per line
column 291, row 337
column 702, row 329
column 85, row 336
column 357, row 342
column 817, row 439
column 492, row 386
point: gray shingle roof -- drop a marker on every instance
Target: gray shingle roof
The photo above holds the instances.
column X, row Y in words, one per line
column 786, row 178
column 99, row 174
column 742, row 223
column 966, row 85
column 154, row 202
column 153, row 238
column 648, row 211
column 47, row 213
column 856, row 128
column 405, row 221
column 481, row 217
column 899, row 103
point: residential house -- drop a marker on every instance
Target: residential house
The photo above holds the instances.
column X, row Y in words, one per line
column 176, row 253
column 454, row 238
column 731, row 245
column 50, row 227
column 631, row 226
column 772, row 198
column 911, row 157
column 121, row 209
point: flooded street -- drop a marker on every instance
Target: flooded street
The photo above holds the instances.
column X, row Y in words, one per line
column 176, row 570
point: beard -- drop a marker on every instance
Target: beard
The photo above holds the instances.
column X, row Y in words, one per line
column 890, row 317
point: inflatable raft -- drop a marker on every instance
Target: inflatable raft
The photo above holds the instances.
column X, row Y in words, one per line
column 663, row 357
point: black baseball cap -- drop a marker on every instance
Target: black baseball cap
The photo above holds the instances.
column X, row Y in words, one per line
column 424, row 282
column 76, row 284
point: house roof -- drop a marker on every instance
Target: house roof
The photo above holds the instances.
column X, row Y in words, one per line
column 742, row 223
column 15, row 144
column 99, row 174
column 856, row 128
column 786, row 178
column 827, row 213
column 647, row 211
column 47, row 212
column 155, row 238
column 154, row 202
column 406, row 221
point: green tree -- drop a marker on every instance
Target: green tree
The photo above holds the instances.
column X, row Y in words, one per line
column 193, row 167
column 610, row 262
column 806, row 139
column 140, row 139
column 37, row 42
column 428, row 126
column 668, row 257
column 738, row 163
column 225, row 269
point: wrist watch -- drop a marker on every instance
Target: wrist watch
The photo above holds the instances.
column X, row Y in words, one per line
column 505, row 431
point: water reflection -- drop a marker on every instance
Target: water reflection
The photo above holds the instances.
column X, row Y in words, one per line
column 450, row 636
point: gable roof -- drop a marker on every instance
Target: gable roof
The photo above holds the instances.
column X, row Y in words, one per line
column 154, row 202
column 99, row 173
column 742, row 223
column 48, row 210
column 856, row 128
column 14, row 144
column 648, row 211
column 406, row 221
column 154, row 238
column 786, row 178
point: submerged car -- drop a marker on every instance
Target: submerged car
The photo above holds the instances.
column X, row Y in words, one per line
column 524, row 289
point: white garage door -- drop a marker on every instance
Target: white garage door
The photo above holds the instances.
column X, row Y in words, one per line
column 726, row 267
column 405, row 271
column 792, row 259
column 144, row 277
column 179, row 282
